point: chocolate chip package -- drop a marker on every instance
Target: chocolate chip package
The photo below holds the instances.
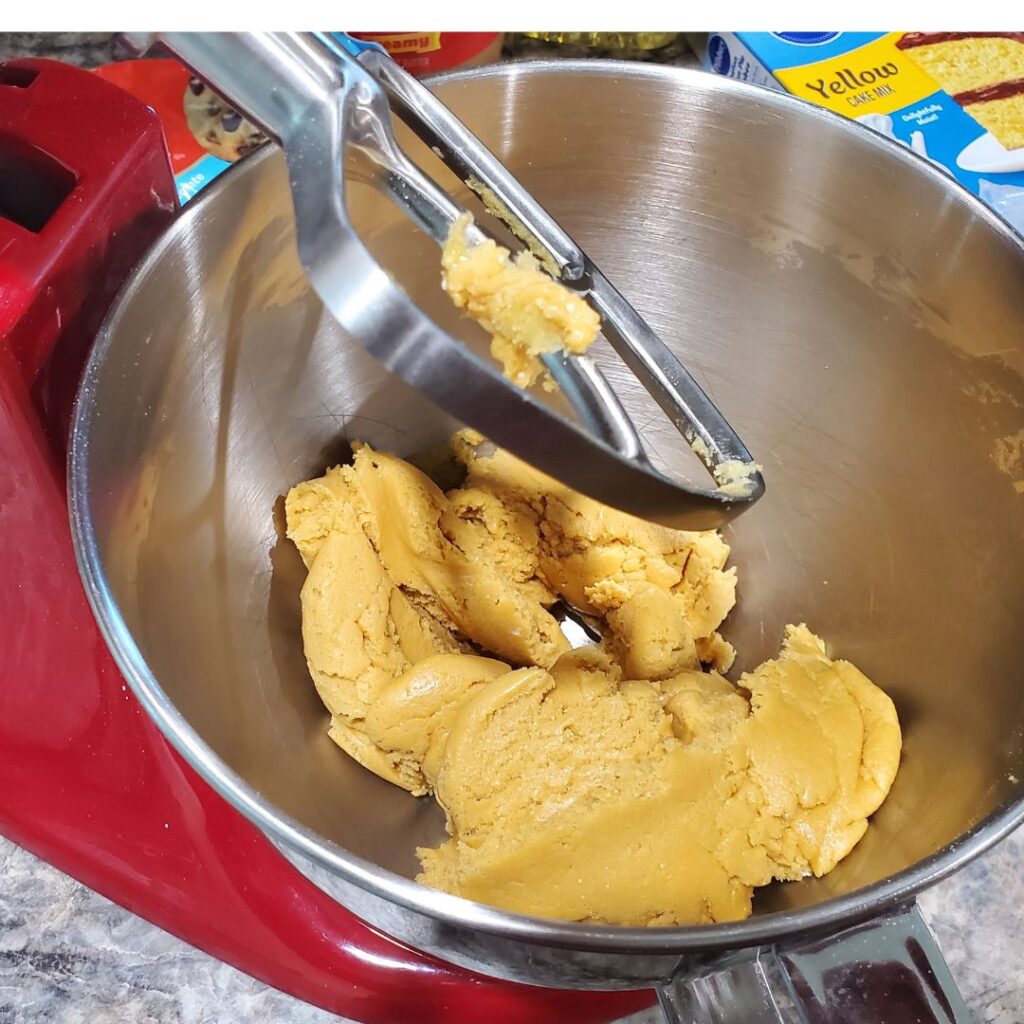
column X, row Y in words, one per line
column 204, row 135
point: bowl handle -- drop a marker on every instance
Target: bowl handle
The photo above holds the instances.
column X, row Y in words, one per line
column 888, row 968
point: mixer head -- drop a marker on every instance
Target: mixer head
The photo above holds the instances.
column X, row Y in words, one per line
column 321, row 95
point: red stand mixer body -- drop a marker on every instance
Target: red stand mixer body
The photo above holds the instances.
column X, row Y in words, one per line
column 87, row 782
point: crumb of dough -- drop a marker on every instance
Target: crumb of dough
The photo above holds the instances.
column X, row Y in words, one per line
column 497, row 209
column 620, row 782
column 527, row 313
column 715, row 652
column 734, row 477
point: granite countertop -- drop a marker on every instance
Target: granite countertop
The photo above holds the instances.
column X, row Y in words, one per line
column 68, row 955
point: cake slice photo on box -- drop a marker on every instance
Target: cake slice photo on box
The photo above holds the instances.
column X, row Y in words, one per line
column 982, row 71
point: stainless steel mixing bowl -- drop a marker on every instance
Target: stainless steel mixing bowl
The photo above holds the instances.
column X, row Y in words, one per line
column 857, row 316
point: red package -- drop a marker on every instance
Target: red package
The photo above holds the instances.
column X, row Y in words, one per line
column 204, row 136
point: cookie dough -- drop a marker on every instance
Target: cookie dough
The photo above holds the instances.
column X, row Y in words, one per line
column 526, row 312
column 359, row 631
column 664, row 592
column 422, row 545
column 622, row 782
column 659, row 804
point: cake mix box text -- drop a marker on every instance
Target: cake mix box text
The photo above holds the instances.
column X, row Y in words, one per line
column 955, row 98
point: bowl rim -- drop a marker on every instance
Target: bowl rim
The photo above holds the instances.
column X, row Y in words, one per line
column 280, row 828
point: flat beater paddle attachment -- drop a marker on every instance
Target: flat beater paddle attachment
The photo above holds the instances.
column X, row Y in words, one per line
column 320, row 95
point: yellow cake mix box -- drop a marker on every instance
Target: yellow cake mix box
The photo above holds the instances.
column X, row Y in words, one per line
column 955, row 98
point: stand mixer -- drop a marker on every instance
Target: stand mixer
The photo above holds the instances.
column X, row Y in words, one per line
column 194, row 418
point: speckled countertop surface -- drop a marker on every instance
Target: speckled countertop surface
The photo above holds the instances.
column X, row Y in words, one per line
column 70, row 956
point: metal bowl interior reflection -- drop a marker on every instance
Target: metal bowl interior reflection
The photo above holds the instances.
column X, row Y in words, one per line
column 856, row 316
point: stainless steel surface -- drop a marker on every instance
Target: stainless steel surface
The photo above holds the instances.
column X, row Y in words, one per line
column 461, row 151
column 655, row 366
column 323, row 106
column 885, row 971
column 860, row 312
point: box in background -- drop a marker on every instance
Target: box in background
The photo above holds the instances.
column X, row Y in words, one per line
column 167, row 87
column 955, row 98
